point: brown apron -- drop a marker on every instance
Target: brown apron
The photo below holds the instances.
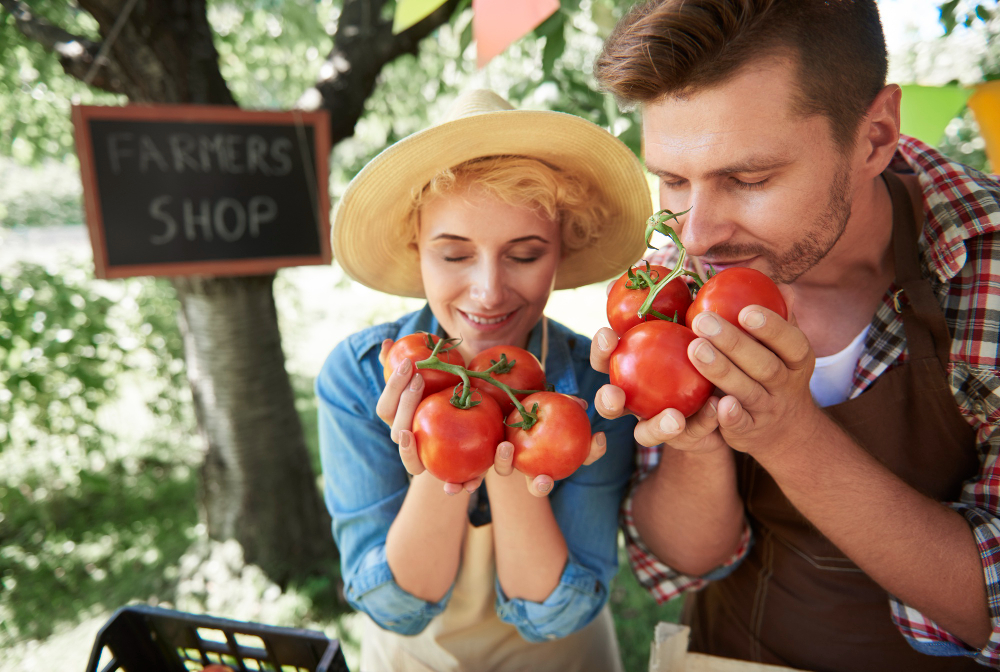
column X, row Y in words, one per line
column 796, row 600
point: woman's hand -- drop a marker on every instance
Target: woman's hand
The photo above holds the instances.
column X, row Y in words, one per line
column 396, row 406
column 541, row 485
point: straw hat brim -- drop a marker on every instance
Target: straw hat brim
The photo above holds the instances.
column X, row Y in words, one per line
column 367, row 235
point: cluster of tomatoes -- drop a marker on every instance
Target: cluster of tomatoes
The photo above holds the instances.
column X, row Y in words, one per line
column 457, row 430
column 650, row 362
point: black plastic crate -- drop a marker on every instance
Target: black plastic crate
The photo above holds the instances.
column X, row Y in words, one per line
column 140, row 638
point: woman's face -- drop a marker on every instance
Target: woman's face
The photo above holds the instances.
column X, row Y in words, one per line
column 488, row 267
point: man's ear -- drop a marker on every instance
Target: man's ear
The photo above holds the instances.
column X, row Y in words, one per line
column 879, row 132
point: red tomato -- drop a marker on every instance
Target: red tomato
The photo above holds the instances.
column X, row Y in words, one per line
column 558, row 443
column 526, row 374
column 415, row 348
column 733, row 289
column 457, row 445
column 624, row 303
column 651, row 365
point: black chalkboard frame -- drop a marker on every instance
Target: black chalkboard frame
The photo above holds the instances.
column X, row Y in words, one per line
column 318, row 120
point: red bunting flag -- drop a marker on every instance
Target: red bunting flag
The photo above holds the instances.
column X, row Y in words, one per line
column 496, row 24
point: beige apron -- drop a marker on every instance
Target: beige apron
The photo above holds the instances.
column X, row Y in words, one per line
column 468, row 636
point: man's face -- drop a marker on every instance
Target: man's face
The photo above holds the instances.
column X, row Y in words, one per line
column 767, row 187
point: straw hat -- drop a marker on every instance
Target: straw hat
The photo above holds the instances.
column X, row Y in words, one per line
column 367, row 227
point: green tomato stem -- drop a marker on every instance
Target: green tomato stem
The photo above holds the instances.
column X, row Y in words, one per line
column 658, row 222
column 463, row 400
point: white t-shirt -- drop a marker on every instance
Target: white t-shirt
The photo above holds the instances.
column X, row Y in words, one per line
column 831, row 380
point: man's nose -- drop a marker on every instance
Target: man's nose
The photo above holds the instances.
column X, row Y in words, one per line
column 705, row 225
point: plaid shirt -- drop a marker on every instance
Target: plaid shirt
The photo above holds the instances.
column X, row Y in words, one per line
column 960, row 252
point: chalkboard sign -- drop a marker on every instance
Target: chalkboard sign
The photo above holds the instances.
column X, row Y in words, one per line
column 203, row 190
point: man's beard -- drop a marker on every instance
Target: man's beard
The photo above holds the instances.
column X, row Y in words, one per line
column 818, row 239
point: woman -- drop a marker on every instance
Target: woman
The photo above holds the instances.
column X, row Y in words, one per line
column 483, row 215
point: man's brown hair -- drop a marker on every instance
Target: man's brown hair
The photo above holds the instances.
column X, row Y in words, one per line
column 674, row 47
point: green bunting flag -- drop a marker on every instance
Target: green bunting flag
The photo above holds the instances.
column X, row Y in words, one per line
column 926, row 110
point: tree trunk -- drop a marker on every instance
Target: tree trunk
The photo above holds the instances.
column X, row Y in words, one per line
column 257, row 483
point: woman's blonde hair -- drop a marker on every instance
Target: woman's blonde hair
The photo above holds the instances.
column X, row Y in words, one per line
column 563, row 197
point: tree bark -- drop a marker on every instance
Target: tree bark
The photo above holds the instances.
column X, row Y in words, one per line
column 257, row 483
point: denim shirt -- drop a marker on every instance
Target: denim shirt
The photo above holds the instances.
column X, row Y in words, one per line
column 365, row 484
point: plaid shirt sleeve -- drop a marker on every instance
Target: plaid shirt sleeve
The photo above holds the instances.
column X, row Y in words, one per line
column 663, row 582
column 979, row 505
column 961, row 253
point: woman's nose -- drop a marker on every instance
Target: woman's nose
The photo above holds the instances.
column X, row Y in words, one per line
column 488, row 286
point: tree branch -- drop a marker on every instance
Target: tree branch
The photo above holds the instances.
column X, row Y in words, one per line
column 76, row 53
column 364, row 43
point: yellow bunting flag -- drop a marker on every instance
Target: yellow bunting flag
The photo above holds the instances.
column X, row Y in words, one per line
column 496, row 24
column 412, row 12
column 985, row 105
column 926, row 110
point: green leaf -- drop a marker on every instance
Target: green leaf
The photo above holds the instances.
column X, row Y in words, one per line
column 946, row 16
column 555, row 45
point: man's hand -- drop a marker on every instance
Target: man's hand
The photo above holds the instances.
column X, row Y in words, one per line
column 767, row 404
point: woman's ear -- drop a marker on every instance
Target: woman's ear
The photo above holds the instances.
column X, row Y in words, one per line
column 879, row 132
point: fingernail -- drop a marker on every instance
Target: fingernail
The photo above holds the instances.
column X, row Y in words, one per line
column 606, row 400
column 707, row 325
column 404, row 439
column 506, row 450
column 668, row 424
column 602, row 440
column 602, row 341
column 544, row 487
column 404, row 367
column 734, row 411
column 754, row 319
column 705, row 353
column 417, row 382
column 713, row 409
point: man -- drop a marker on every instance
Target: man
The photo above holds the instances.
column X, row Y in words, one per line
column 817, row 531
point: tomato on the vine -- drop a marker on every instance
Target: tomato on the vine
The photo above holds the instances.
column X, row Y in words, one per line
column 526, row 374
column 731, row 290
column 457, row 445
column 558, row 443
column 651, row 365
column 416, row 348
column 624, row 302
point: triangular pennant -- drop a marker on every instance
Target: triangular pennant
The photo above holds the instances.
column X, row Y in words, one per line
column 985, row 105
column 496, row 24
column 411, row 12
column 926, row 110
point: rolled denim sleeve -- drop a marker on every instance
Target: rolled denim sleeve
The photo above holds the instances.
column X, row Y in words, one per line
column 364, row 483
column 585, row 506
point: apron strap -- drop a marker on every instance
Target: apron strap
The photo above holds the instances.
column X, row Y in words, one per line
column 927, row 332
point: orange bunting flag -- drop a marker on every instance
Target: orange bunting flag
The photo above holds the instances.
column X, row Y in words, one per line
column 496, row 24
